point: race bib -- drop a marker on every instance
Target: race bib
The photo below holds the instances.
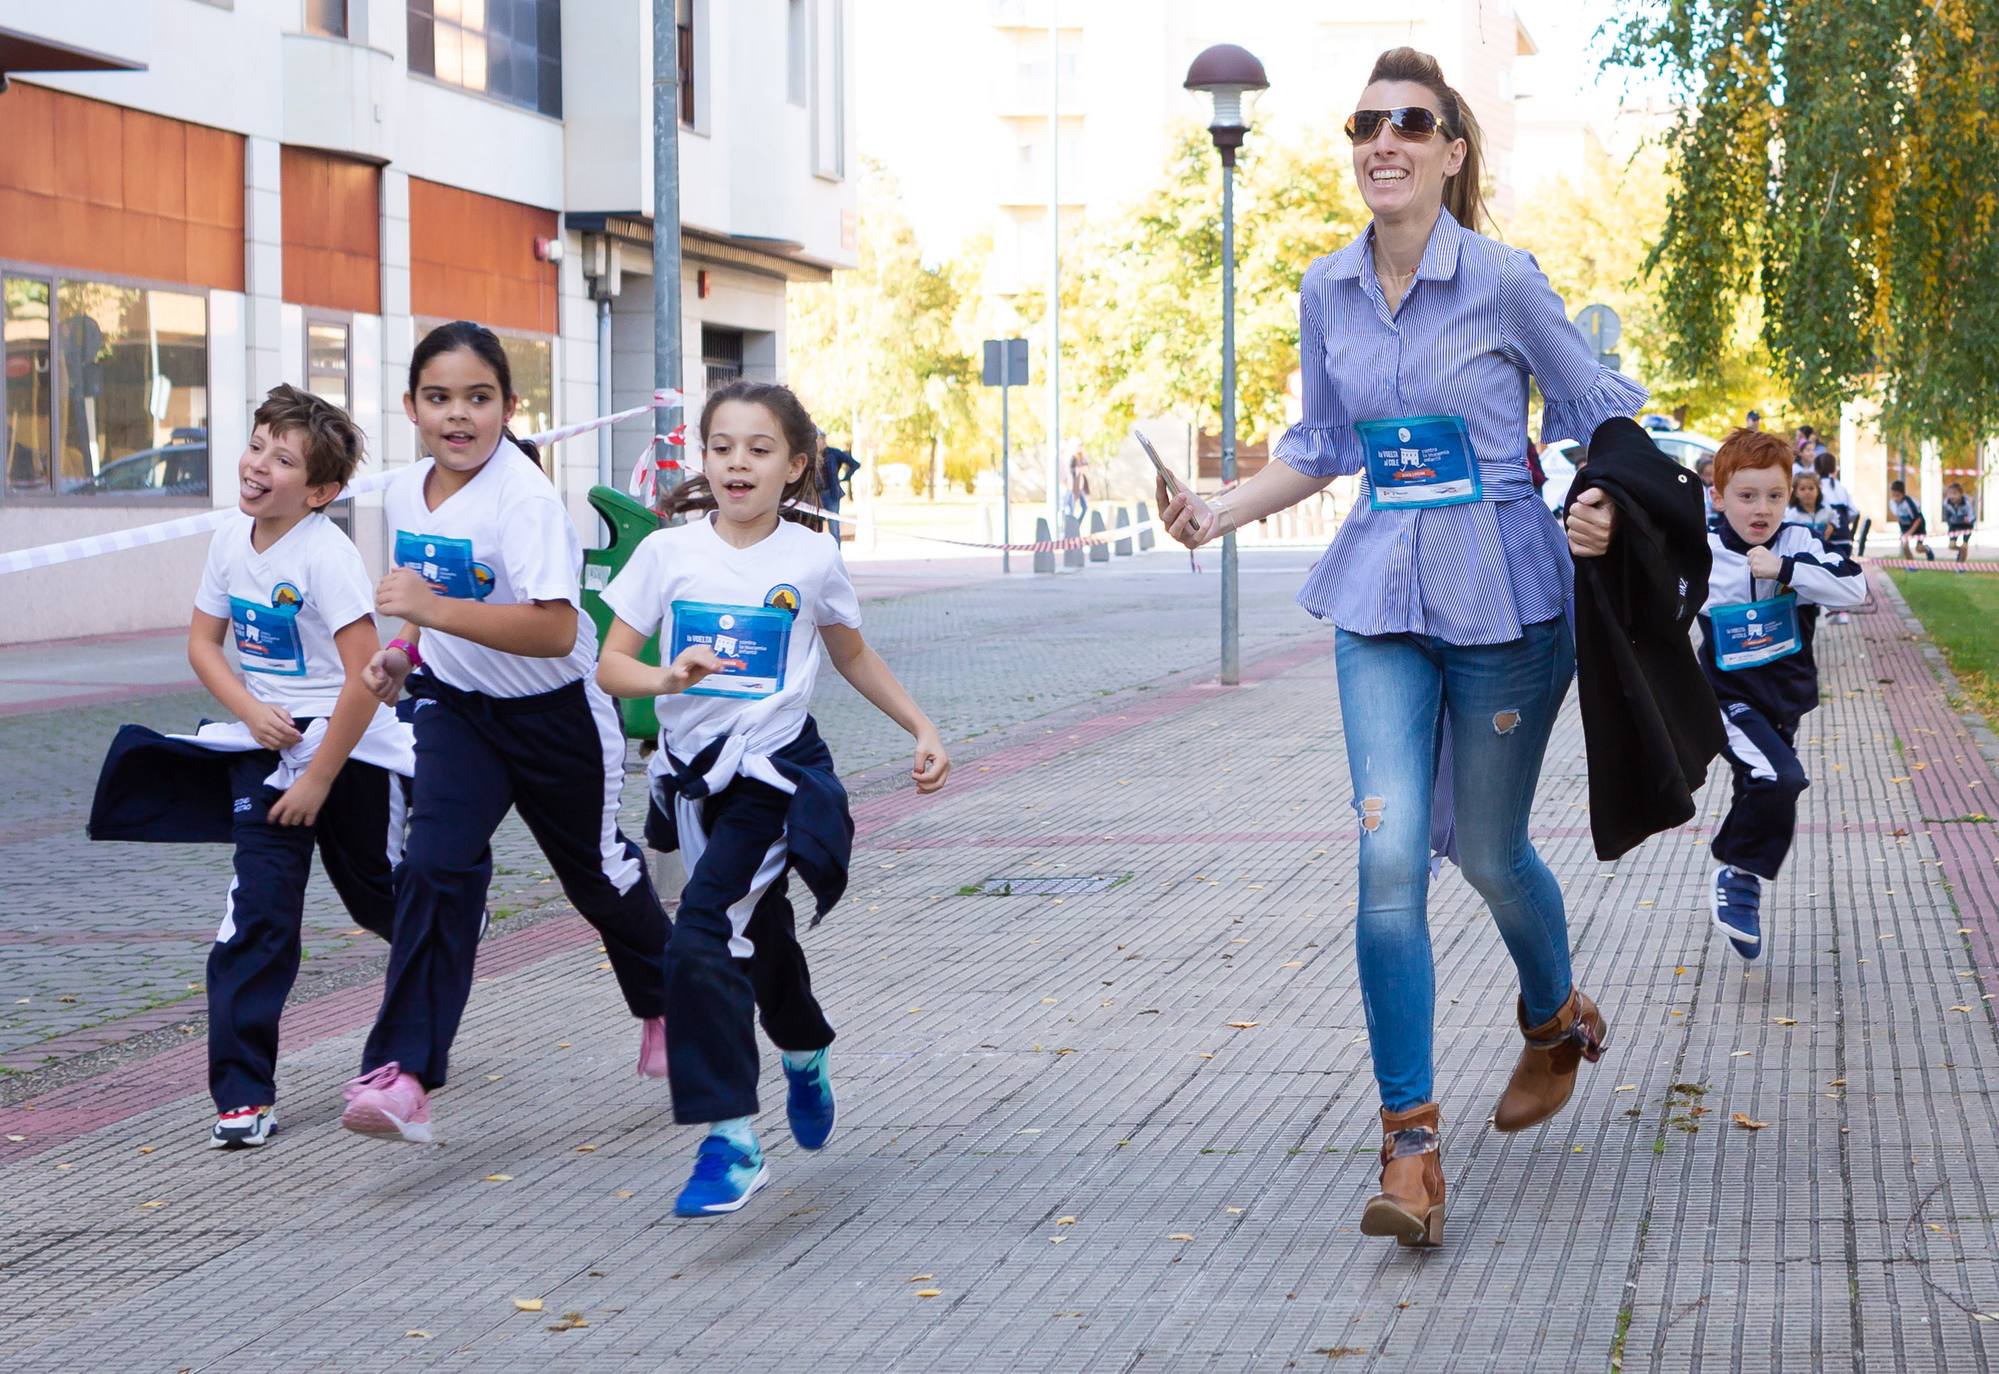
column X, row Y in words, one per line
column 751, row 641
column 267, row 638
column 1755, row 633
column 446, row 564
column 1418, row 462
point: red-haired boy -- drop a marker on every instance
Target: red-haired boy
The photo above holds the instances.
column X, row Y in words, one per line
column 1770, row 577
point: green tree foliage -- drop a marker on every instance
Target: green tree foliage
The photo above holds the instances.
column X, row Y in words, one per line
column 1592, row 236
column 1836, row 165
column 877, row 354
column 1142, row 289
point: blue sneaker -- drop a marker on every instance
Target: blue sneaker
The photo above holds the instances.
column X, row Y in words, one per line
column 1736, row 902
column 724, row 1177
column 809, row 1107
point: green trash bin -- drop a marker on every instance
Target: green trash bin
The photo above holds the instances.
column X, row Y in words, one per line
column 628, row 522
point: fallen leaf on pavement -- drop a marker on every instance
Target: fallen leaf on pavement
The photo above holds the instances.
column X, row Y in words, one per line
column 919, row 1278
column 413, row 1335
column 1785, row 1020
column 1235, row 1211
column 1056, row 1240
column 1743, row 1120
column 17, row 1139
column 929, row 1292
column 527, row 1304
column 1625, row 1088
column 562, row 1044
column 1737, row 1054
column 1245, row 1025
column 621, row 1193
column 147, row 1149
column 586, row 1149
column 1295, row 963
column 1679, row 970
column 1960, row 1008
column 1065, row 1221
column 158, row 1202
column 499, row 1178
column 1180, row 1235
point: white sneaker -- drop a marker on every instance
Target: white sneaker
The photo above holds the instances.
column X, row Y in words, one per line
column 242, row 1128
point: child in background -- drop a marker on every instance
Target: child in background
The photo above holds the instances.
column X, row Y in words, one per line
column 497, row 659
column 1768, row 577
column 1915, row 530
column 292, row 590
column 1809, row 505
column 742, row 783
column 1957, row 519
column 1704, row 469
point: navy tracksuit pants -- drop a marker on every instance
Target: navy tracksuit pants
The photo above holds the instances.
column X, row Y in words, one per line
column 1763, row 817
column 735, row 952
column 560, row 758
column 255, row 957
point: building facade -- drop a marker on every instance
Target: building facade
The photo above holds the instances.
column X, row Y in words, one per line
column 200, row 199
column 1116, row 67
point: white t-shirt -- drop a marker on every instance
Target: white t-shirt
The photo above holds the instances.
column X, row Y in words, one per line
column 284, row 606
column 503, row 538
column 693, row 586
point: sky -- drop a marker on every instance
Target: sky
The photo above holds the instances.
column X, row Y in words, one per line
column 906, row 97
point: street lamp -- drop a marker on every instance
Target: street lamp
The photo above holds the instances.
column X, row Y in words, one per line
column 1226, row 73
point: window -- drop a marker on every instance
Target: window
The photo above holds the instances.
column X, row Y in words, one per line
column 109, row 394
column 829, row 89
column 326, row 359
column 508, row 49
column 684, row 33
column 532, row 361
column 721, row 356
column 327, row 18
column 797, row 53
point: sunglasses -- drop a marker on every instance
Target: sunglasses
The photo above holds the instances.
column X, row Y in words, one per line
column 1410, row 122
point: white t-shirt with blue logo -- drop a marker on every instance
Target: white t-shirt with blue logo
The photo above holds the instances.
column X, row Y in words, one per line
column 284, row 607
column 504, row 538
column 759, row 608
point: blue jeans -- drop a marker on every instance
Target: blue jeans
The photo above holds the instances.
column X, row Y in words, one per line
column 1502, row 700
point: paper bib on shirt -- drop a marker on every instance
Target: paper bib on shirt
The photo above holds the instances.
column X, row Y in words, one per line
column 1754, row 633
column 267, row 637
column 446, row 564
column 1419, row 461
column 751, row 641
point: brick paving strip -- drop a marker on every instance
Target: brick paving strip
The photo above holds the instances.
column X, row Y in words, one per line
column 1130, row 1128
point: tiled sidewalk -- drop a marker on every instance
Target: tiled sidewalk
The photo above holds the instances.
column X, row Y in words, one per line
column 1048, row 1116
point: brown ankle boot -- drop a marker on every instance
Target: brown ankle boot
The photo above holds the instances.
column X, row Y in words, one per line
column 1410, row 1205
column 1546, row 1073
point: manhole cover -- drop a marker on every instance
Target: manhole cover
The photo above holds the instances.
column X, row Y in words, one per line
column 1045, row 885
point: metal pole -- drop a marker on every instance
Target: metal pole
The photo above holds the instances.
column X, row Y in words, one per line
column 1006, row 465
column 1231, row 648
column 666, row 217
column 607, row 474
column 1054, row 273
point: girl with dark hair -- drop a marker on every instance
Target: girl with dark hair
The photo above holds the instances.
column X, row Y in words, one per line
column 1449, row 586
column 497, row 661
column 742, row 784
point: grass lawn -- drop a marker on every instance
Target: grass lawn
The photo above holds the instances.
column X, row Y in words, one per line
column 1961, row 612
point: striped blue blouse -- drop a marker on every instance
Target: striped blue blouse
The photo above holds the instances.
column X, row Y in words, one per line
column 1477, row 320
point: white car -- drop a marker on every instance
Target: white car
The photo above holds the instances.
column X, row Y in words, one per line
column 1558, row 459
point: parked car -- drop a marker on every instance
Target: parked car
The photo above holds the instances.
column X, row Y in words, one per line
column 1684, row 446
column 176, row 468
column 1558, row 461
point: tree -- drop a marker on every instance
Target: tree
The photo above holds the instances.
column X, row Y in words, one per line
column 1838, row 165
column 1592, row 237
column 1141, row 290
column 875, row 352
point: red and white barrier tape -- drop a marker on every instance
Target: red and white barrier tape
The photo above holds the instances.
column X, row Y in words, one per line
column 49, row 555
column 644, row 487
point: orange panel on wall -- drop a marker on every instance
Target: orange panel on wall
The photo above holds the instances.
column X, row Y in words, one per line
column 332, row 219
column 90, row 187
column 472, row 257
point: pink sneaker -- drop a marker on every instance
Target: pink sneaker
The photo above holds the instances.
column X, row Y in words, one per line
column 652, row 1047
column 388, row 1104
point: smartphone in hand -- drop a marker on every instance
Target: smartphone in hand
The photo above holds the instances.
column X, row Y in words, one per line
column 1174, row 486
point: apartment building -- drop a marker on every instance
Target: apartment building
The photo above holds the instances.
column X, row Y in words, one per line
column 202, row 198
column 1117, row 68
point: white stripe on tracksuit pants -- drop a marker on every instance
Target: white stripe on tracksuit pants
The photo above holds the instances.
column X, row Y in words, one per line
column 559, row 757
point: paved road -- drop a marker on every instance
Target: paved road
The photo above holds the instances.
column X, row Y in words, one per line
column 1130, row 1128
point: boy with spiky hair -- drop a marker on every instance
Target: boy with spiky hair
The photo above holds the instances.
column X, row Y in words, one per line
column 290, row 589
column 1769, row 578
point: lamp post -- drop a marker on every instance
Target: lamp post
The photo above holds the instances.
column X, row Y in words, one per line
column 1227, row 73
